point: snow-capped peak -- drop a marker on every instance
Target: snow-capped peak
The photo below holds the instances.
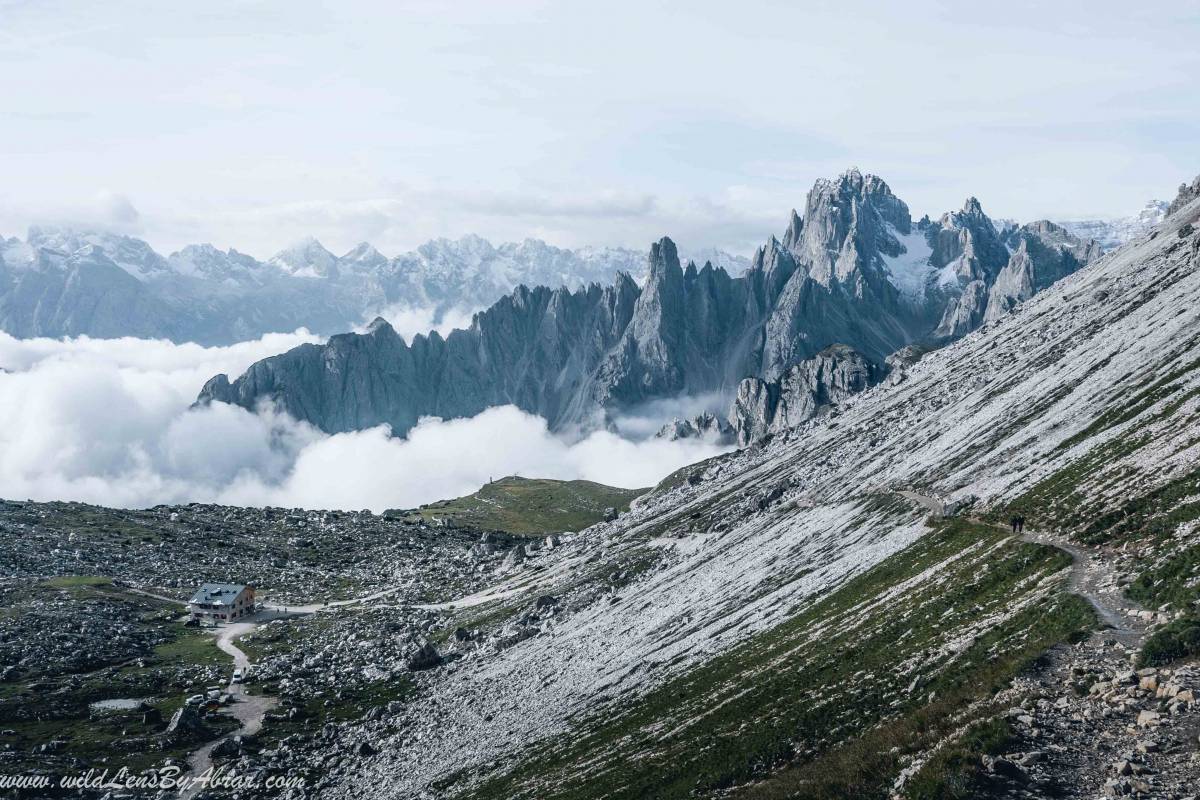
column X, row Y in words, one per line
column 307, row 258
column 132, row 255
column 364, row 256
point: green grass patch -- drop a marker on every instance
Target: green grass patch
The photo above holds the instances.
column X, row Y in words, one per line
column 1155, row 514
column 1173, row 582
column 532, row 507
column 192, row 647
column 72, row 581
column 1177, row 640
column 955, row 771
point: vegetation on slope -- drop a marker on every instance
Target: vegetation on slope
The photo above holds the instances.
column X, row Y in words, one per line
column 1123, row 492
column 828, row 704
column 531, row 506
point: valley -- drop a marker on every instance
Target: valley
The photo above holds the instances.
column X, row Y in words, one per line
column 838, row 609
column 624, row 401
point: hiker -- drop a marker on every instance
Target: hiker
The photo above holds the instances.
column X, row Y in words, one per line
column 1016, row 523
column 1020, row 523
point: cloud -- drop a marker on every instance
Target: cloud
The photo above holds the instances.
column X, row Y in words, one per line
column 104, row 211
column 110, row 422
column 410, row 320
column 442, row 459
column 648, row 418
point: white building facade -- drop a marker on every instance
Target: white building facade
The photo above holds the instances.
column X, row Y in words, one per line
column 221, row 602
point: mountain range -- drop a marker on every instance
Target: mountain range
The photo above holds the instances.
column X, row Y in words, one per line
column 853, row 270
column 847, row 608
column 62, row 282
column 1110, row 233
column 71, row 282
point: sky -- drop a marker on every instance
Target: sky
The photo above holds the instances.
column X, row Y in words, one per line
column 254, row 124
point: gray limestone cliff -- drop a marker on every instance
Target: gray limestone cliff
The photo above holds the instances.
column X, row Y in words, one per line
column 765, row 407
column 707, row 426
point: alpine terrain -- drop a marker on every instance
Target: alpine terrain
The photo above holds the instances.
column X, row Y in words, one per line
column 791, row 620
column 974, row 575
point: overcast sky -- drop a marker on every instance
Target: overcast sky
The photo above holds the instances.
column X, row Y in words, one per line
column 252, row 124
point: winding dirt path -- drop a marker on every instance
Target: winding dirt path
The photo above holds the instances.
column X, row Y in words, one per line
column 250, row 709
column 1095, row 743
column 246, row 708
column 1095, row 581
column 1091, row 577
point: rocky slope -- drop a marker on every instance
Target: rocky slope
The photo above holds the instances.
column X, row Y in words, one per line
column 61, row 282
column 769, row 623
column 853, row 270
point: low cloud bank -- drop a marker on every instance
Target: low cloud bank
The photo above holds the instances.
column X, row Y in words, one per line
column 110, row 422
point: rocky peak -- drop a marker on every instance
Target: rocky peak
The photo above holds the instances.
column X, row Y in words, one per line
column 379, row 325
column 1043, row 254
column 207, row 261
column 967, row 246
column 364, row 256
column 707, row 426
column 1187, row 193
column 663, row 261
column 132, row 255
column 847, row 223
column 795, row 228
column 763, row 407
column 306, row 258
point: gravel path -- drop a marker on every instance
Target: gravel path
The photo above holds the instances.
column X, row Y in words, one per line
column 1089, row 725
column 1095, row 580
column 246, row 708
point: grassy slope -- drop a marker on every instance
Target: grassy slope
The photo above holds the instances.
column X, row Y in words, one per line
column 1101, row 499
column 816, row 706
column 530, row 506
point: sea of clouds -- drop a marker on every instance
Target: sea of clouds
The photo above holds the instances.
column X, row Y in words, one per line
column 109, row 421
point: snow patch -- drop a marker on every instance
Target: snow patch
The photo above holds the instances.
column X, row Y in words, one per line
column 909, row 271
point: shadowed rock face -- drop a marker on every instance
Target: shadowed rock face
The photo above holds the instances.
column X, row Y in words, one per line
column 763, row 407
column 575, row 357
column 1043, row 253
column 1187, row 193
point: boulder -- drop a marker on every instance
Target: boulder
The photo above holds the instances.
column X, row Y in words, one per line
column 427, row 657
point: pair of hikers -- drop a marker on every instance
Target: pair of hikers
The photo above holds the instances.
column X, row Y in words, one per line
column 1018, row 523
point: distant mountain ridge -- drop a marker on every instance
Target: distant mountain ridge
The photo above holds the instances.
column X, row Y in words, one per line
column 854, row 270
column 1110, row 233
column 64, row 282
